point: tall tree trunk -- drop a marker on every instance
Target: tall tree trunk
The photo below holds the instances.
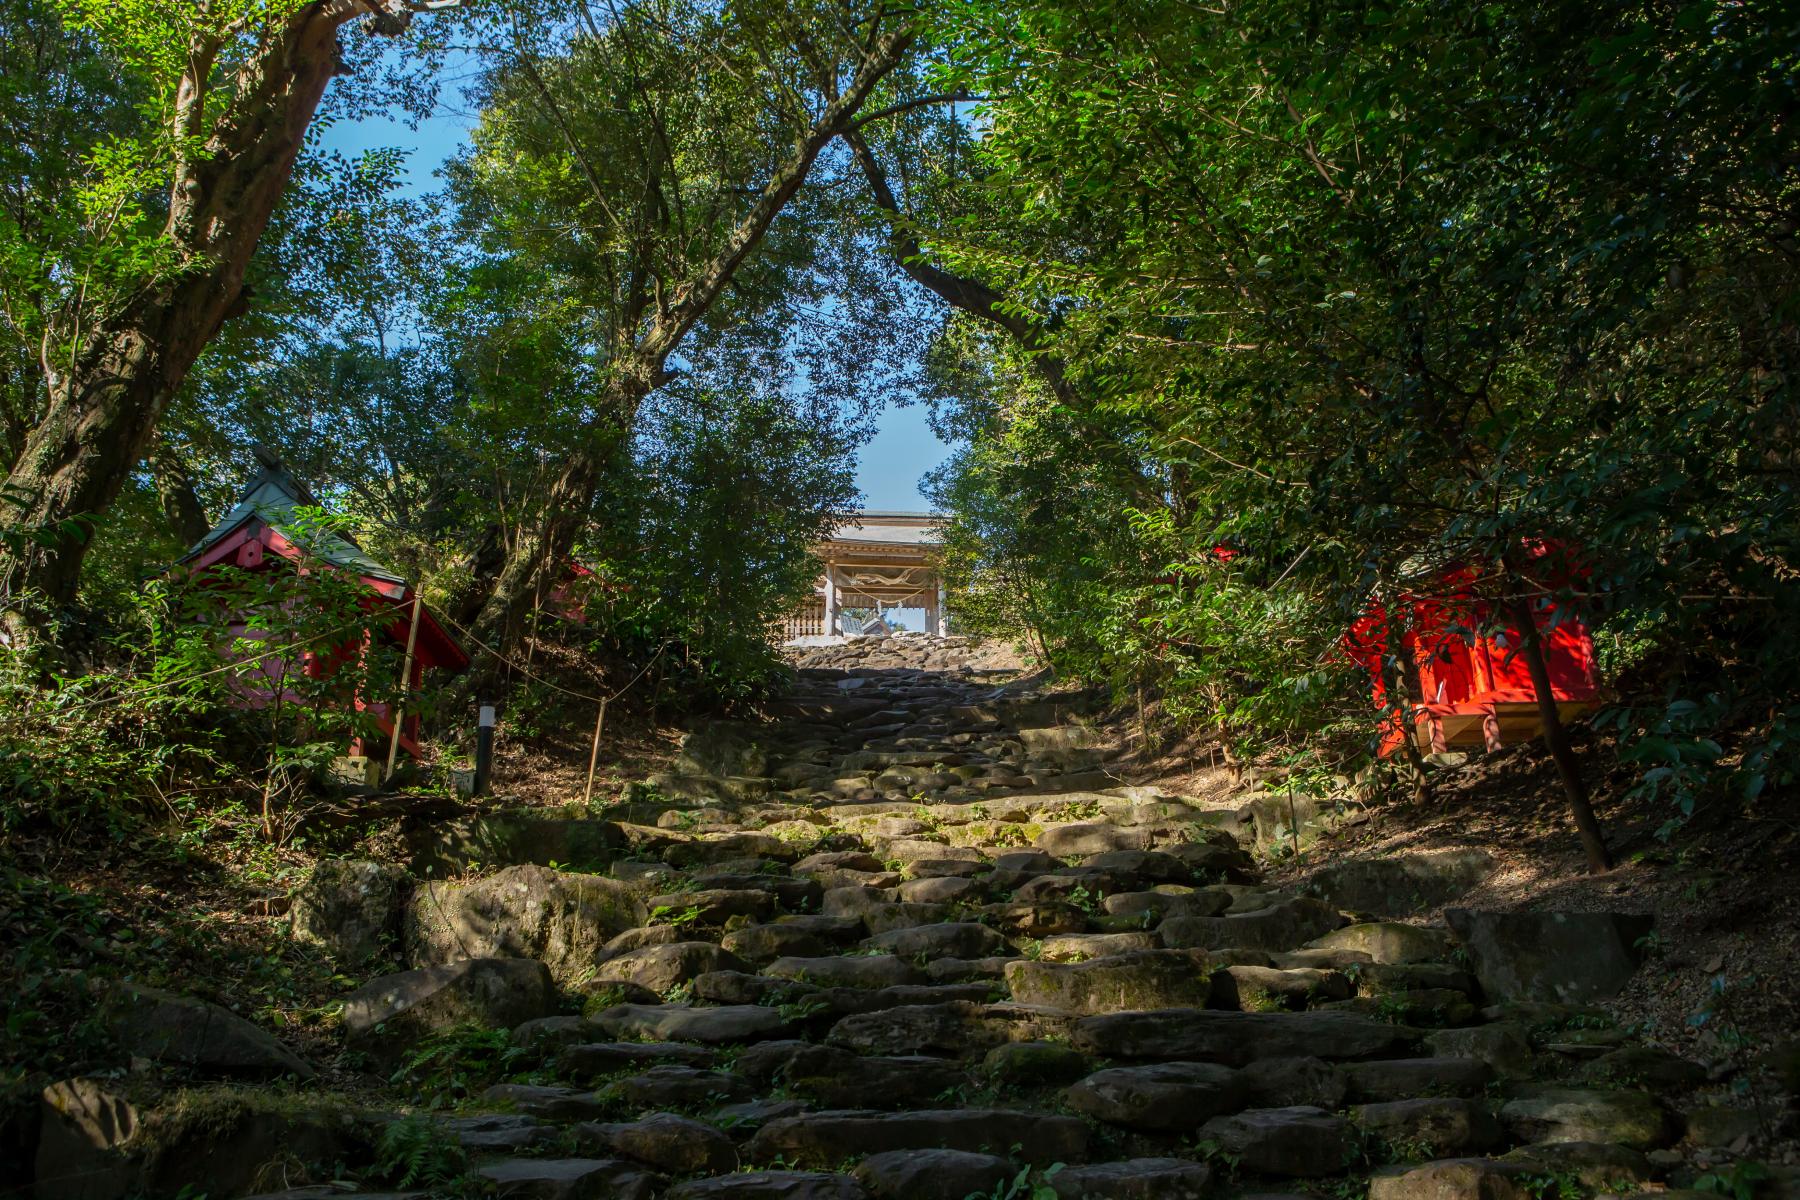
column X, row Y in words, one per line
column 107, row 396
column 1556, row 735
column 533, row 563
column 175, row 489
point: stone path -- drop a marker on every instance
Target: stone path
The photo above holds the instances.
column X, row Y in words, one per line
column 909, row 943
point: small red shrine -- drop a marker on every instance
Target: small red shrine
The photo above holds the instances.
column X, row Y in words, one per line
column 1474, row 688
column 578, row 589
column 250, row 538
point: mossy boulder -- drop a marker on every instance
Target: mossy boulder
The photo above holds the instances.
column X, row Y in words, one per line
column 562, row 919
column 511, row 837
column 350, row 909
column 388, row 1014
column 1387, row 942
column 1626, row 1118
column 1402, row 884
column 1036, row 1064
column 1565, row 957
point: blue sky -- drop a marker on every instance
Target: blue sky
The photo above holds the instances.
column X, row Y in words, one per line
column 888, row 467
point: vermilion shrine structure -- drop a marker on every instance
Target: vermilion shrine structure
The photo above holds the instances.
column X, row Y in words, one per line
column 1467, row 682
column 250, row 537
column 874, row 562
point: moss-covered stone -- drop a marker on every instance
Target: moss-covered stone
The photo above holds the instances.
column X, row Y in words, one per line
column 1036, row 1064
column 560, row 918
column 1140, row 980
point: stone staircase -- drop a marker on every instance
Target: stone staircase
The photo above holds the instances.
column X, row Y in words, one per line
column 910, row 941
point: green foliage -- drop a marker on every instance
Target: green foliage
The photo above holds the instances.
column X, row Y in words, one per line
column 1740, row 1181
column 711, row 519
column 666, row 914
column 1026, row 1185
column 250, row 680
column 416, row 1151
column 1361, row 298
column 449, row 1067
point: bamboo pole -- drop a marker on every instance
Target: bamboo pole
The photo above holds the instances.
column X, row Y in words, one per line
column 412, row 641
column 594, row 755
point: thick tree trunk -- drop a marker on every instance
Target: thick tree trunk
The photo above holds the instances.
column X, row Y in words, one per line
column 1556, row 736
column 106, row 398
column 175, row 489
column 533, row 563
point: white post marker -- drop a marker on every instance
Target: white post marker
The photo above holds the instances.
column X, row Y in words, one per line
column 484, row 748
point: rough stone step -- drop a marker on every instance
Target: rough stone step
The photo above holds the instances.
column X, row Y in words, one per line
column 933, row 1174
column 677, row 1087
column 1441, row 1125
column 953, row 1029
column 823, row 1138
column 1300, row 1141
column 1238, row 1038
column 594, row 1060
column 1134, row 1179
column 770, row 1185
column 559, row 1178
column 861, row 971
column 1160, row 1098
column 664, row 1141
column 682, row 1023
column 1136, row 981
column 836, row 1078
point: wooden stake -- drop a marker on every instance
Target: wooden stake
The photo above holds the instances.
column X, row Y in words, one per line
column 1556, row 737
column 1293, row 819
column 594, row 755
column 412, row 640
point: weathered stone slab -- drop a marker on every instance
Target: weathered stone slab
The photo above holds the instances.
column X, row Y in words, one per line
column 680, row 1023
column 1441, row 1125
column 663, row 968
column 566, row 1179
column 665, row 1141
column 1570, row 958
column 1269, row 989
column 831, row 1137
column 1237, row 1038
column 185, row 1032
column 1453, row 1179
column 1402, row 1078
column 1143, row 979
column 1387, row 942
column 932, row 1174
column 1626, row 1118
column 1296, row 1141
column 1160, row 1098
column 957, row 939
column 955, row 1028
column 350, row 909
column 1133, row 1179
column 1281, row 926
column 858, row 971
column 393, row 1011
column 771, row 1185
column 591, row 1060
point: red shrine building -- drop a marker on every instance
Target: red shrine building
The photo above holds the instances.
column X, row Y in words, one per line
column 1468, row 684
column 251, row 538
